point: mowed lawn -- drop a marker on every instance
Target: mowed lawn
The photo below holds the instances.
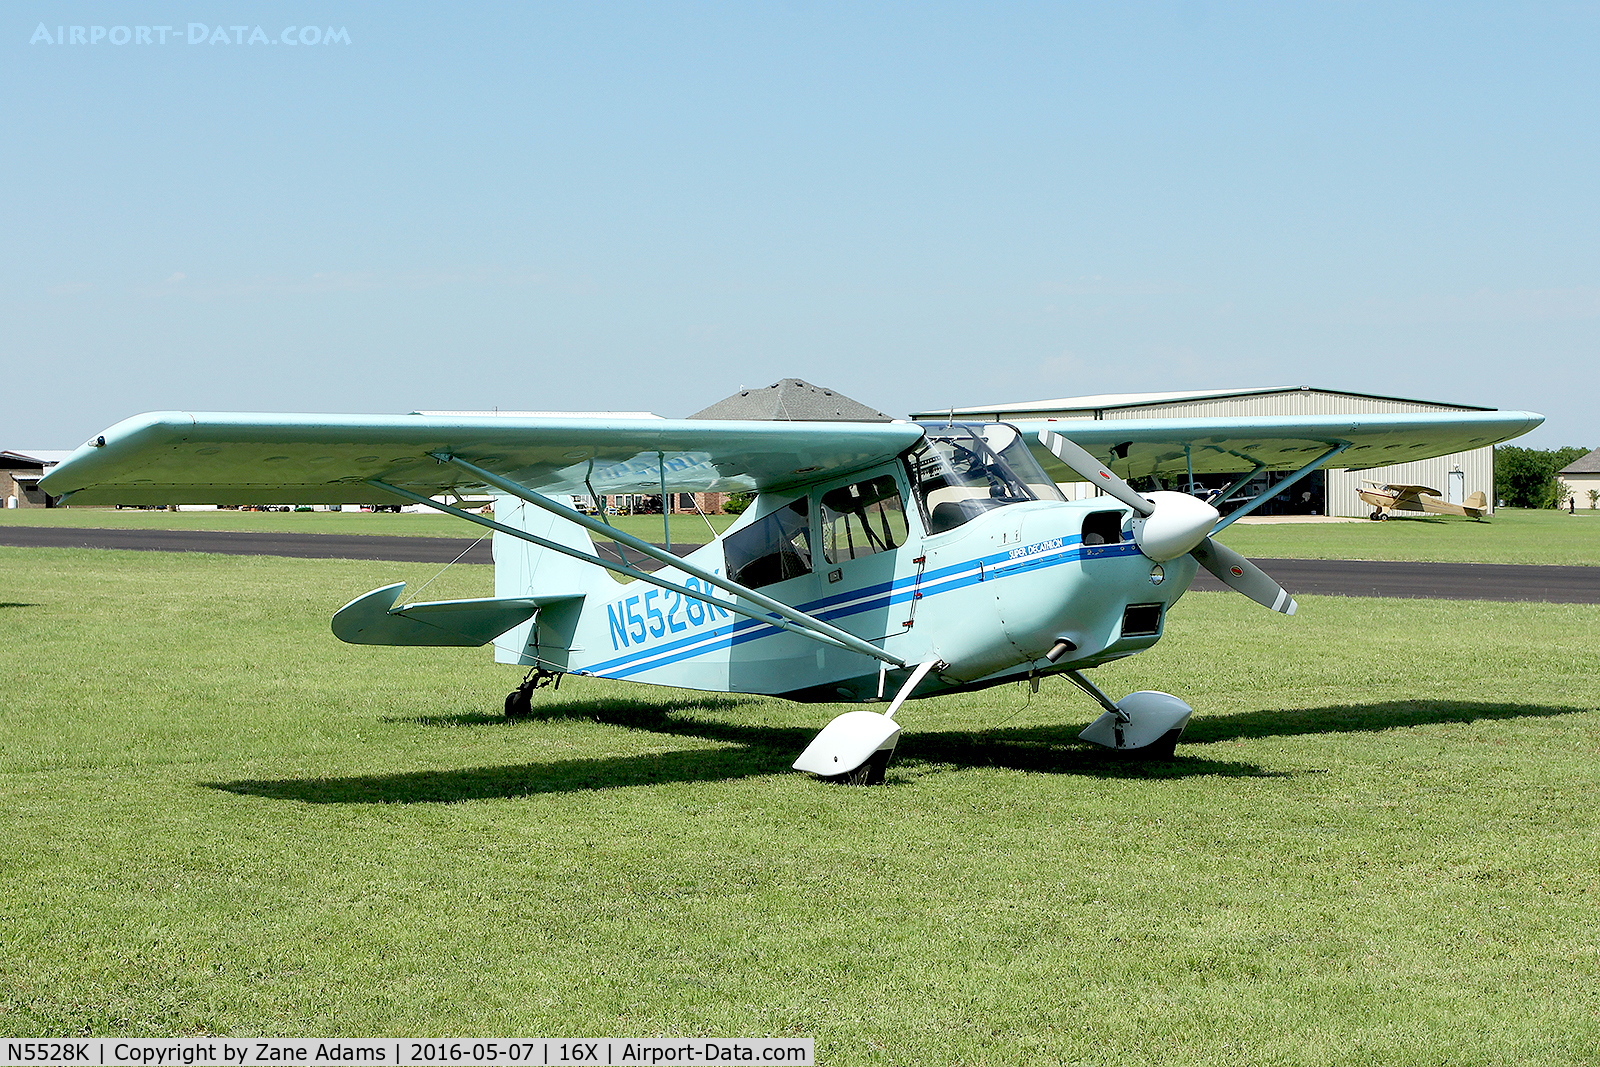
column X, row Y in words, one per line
column 686, row 529
column 1513, row 536
column 1379, row 843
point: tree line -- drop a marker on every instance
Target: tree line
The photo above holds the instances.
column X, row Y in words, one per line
column 1526, row 477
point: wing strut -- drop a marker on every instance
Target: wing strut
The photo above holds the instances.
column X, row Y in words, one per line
column 794, row 621
column 1273, row 490
column 1218, row 499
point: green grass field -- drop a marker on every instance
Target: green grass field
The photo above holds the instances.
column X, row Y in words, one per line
column 1380, row 843
column 1513, row 536
column 688, row 529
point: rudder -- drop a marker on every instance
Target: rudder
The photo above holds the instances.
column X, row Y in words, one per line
column 523, row 569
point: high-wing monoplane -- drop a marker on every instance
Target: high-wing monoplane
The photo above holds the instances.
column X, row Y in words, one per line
column 877, row 562
column 1386, row 497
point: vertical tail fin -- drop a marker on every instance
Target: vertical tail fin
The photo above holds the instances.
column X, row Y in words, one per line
column 523, row 569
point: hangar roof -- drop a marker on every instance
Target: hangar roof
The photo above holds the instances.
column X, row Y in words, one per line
column 791, row 400
column 33, row 457
column 1114, row 401
column 501, row 413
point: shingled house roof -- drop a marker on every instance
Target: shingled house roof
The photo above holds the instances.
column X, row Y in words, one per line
column 1589, row 464
column 791, row 400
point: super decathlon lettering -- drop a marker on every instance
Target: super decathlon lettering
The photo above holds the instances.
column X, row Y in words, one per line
column 1033, row 550
column 656, row 612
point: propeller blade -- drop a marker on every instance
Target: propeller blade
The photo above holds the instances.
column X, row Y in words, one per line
column 1239, row 573
column 1092, row 470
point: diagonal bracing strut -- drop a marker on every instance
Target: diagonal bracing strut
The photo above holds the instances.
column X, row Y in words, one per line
column 1272, row 491
column 620, row 568
column 789, row 619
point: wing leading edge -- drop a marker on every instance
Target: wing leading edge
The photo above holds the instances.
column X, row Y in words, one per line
column 176, row 457
column 230, row 458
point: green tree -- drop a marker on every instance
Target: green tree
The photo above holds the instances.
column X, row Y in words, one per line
column 1526, row 477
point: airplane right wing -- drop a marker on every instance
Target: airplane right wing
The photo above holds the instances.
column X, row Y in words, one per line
column 1135, row 448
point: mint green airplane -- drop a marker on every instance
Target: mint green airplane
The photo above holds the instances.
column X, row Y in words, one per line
column 878, row 561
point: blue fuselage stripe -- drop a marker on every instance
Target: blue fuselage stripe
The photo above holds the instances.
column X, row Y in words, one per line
column 870, row 598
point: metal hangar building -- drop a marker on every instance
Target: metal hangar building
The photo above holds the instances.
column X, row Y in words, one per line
column 1328, row 492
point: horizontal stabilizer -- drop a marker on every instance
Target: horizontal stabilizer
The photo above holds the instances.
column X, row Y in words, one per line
column 372, row 618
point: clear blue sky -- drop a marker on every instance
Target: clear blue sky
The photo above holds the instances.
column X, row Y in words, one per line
column 619, row 206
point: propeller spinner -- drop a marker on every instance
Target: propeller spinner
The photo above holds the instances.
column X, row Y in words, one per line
column 1169, row 525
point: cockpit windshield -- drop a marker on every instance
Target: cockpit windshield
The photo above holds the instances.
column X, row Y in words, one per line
column 1008, row 442
column 962, row 471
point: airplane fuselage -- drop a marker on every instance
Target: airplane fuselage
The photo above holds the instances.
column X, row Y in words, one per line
column 989, row 598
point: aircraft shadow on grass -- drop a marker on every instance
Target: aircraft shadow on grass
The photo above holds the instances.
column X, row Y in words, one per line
column 1359, row 718
column 768, row 750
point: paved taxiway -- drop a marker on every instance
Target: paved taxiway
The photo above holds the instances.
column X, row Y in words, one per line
column 1303, row 577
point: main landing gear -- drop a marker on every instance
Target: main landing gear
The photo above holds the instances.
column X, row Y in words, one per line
column 519, row 702
column 1146, row 724
column 855, row 748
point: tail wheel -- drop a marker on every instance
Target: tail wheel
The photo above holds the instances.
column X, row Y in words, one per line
column 519, row 703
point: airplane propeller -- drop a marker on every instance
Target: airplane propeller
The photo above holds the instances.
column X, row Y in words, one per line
column 1169, row 525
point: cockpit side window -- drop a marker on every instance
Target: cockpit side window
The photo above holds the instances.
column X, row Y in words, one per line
column 862, row 519
column 774, row 548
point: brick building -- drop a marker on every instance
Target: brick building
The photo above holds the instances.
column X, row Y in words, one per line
column 20, row 471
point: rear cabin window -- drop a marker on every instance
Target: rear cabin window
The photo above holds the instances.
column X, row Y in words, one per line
column 774, row 548
column 862, row 519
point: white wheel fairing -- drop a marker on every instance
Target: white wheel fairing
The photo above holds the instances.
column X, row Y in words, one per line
column 847, row 742
column 1150, row 717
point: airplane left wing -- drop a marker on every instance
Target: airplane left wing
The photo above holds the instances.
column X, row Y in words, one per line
column 176, row 457
column 1411, row 492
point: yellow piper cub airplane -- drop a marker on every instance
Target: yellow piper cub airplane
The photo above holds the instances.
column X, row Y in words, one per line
column 877, row 559
column 1386, row 497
